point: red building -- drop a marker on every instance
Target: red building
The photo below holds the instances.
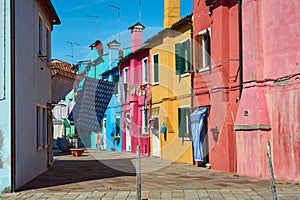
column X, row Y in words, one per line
column 269, row 109
column 216, row 78
column 136, row 105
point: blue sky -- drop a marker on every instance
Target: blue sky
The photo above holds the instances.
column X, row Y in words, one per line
column 78, row 28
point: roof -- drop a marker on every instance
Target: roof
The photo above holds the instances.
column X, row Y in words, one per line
column 175, row 26
column 58, row 65
column 96, row 43
column 114, row 42
column 182, row 21
column 124, row 59
column 52, row 11
column 136, row 24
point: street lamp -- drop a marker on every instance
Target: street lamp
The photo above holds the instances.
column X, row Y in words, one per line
column 116, row 7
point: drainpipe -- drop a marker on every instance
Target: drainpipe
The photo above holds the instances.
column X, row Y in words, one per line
column 192, row 61
column 240, row 45
column 13, row 112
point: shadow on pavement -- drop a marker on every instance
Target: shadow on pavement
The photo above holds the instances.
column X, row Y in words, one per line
column 74, row 170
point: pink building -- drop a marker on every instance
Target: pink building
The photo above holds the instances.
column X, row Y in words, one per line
column 269, row 108
column 136, row 105
column 216, row 77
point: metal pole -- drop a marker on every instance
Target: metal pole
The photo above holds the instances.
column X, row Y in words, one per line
column 119, row 21
column 274, row 193
column 138, row 174
column 97, row 18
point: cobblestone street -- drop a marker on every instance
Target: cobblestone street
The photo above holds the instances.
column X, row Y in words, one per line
column 111, row 175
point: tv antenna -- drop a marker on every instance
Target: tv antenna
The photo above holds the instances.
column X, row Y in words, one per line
column 97, row 18
column 119, row 22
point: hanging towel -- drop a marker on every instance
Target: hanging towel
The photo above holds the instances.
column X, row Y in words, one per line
column 197, row 122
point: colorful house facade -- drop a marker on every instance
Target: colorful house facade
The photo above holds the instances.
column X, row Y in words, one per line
column 216, row 78
column 25, row 123
column 171, row 90
column 135, row 107
column 269, row 105
column 112, row 121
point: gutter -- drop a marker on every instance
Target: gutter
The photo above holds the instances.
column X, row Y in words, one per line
column 56, row 19
column 240, row 46
column 13, row 102
column 190, row 23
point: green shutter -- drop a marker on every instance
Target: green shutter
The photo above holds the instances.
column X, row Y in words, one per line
column 155, row 58
column 188, row 113
column 188, row 56
column 181, row 122
column 179, row 59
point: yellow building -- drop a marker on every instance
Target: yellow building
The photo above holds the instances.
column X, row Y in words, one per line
column 171, row 99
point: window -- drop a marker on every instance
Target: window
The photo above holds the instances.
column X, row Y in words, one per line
column 155, row 126
column 155, row 68
column 202, row 50
column 182, row 57
column 125, row 80
column 144, row 121
column 184, row 123
column 40, row 36
column 145, row 70
column 116, row 80
column 38, row 127
column 44, row 126
column 118, row 125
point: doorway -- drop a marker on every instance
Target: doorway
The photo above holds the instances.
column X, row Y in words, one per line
column 127, row 131
column 156, row 137
column 199, row 125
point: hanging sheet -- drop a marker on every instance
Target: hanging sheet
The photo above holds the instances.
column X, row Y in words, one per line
column 198, row 132
column 91, row 103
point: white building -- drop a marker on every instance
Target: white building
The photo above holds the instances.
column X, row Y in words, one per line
column 25, row 90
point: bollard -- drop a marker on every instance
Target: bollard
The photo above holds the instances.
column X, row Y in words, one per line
column 274, row 193
column 138, row 174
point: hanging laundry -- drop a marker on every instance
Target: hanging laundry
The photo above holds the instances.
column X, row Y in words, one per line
column 91, row 103
column 198, row 133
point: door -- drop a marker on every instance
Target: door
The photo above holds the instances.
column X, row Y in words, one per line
column 127, row 131
column 156, row 137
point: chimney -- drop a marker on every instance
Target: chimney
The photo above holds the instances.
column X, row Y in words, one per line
column 97, row 45
column 136, row 36
column 171, row 12
column 113, row 50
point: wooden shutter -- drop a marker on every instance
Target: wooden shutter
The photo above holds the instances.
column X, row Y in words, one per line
column 181, row 122
column 179, row 60
column 155, row 79
column 208, row 49
column 188, row 56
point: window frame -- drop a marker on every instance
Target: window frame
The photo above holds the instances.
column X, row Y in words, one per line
column 40, row 35
column 39, row 126
column 48, row 44
column 145, row 123
column 44, row 127
column 205, row 57
column 145, row 70
column 125, row 79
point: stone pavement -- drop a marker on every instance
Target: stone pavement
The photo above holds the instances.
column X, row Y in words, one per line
column 111, row 176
